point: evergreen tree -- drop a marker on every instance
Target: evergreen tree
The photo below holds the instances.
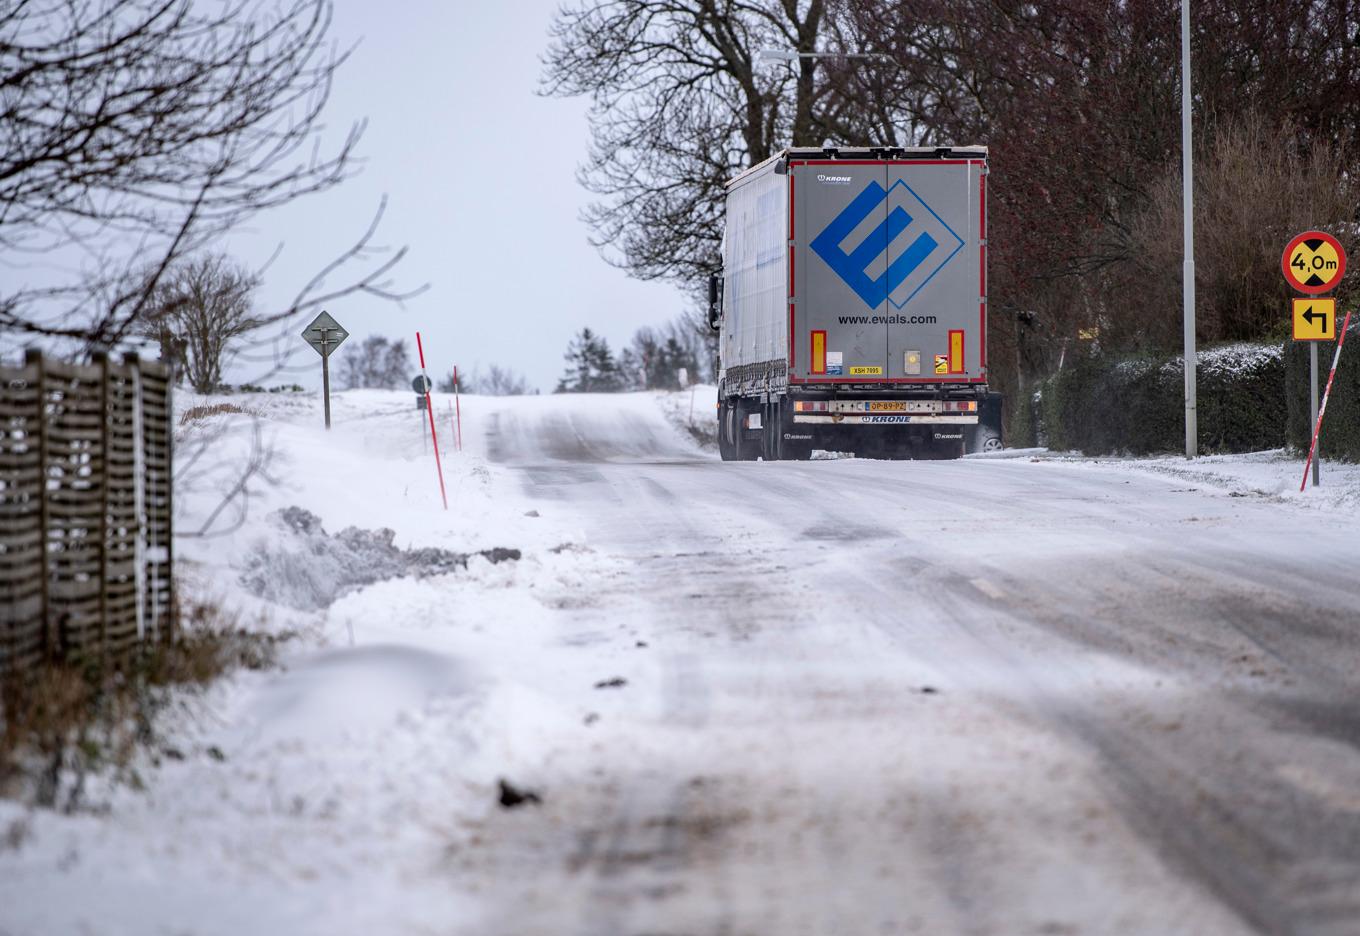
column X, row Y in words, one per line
column 591, row 367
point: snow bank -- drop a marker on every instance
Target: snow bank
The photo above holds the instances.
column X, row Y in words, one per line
column 304, row 567
column 1271, row 475
column 694, row 412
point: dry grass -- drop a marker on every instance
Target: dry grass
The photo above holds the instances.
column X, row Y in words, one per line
column 65, row 722
column 199, row 413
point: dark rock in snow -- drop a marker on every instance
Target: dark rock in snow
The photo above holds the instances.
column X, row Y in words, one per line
column 929, row 690
column 512, row 797
column 591, row 718
column 642, row 643
column 531, row 513
column 617, row 682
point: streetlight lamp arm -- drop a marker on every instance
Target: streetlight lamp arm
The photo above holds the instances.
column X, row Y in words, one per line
column 788, row 55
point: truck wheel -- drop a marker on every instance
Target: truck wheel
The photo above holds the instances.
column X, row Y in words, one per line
column 986, row 439
column 726, row 449
column 743, row 447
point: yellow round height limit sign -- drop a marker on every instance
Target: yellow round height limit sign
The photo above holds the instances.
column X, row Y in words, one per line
column 1314, row 262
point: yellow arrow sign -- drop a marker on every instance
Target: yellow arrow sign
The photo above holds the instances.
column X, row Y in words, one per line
column 1314, row 319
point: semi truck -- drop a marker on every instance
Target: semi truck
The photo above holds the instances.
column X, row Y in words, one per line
column 851, row 309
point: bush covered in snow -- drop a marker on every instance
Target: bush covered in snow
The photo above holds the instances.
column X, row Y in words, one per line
column 1341, row 430
column 1100, row 404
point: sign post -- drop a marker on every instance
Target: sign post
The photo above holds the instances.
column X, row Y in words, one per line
column 325, row 335
column 1313, row 409
column 423, row 384
column 1314, row 263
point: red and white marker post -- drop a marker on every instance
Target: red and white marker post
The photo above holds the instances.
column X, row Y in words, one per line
column 1322, row 410
column 429, row 408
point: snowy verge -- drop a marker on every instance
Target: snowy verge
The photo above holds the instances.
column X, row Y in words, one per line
column 694, row 411
column 1270, row 475
column 422, row 680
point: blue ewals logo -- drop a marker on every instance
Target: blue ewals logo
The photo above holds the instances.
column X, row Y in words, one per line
column 930, row 244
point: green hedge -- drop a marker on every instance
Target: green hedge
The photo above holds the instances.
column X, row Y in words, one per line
column 1100, row 404
column 1341, row 427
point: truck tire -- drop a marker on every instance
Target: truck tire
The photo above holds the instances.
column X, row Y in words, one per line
column 744, row 448
column 986, row 439
column 769, row 434
column 726, row 448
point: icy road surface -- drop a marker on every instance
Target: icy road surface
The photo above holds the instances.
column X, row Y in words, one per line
column 969, row 697
column 1025, row 695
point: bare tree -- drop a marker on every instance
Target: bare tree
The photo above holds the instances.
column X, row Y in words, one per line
column 680, row 104
column 502, row 381
column 654, row 358
column 1254, row 190
column 467, row 382
column 147, row 128
column 202, row 308
column 377, row 363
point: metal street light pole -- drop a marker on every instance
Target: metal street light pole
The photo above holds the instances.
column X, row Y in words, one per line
column 1188, row 210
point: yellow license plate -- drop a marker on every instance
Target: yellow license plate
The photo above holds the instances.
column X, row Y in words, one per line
column 865, row 371
column 897, row 406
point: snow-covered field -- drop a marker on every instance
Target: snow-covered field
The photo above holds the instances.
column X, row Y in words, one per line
column 1026, row 693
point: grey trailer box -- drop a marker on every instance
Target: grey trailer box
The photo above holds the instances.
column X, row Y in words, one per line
column 859, row 267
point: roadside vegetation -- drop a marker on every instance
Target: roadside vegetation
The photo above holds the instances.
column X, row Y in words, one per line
column 68, row 724
column 656, row 359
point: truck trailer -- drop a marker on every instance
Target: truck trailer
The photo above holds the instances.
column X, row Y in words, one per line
column 852, row 306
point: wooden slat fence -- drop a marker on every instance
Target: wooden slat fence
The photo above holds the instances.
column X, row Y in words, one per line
column 85, row 508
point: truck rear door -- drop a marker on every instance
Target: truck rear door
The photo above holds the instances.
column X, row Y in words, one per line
column 841, row 236
column 888, row 283
column 936, row 281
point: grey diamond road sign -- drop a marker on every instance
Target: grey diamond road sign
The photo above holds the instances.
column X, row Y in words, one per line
column 325, row 335
column 327, row 328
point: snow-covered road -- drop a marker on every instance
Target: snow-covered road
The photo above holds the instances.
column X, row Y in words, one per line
column 1024, row 695
column 989, row 696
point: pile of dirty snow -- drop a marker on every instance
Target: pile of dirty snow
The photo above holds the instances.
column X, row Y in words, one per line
column 304, row 567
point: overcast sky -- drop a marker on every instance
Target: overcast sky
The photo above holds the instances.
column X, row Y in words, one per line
column 480, row 177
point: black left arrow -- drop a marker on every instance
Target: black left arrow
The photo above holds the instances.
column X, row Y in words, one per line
column 1308, row 316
